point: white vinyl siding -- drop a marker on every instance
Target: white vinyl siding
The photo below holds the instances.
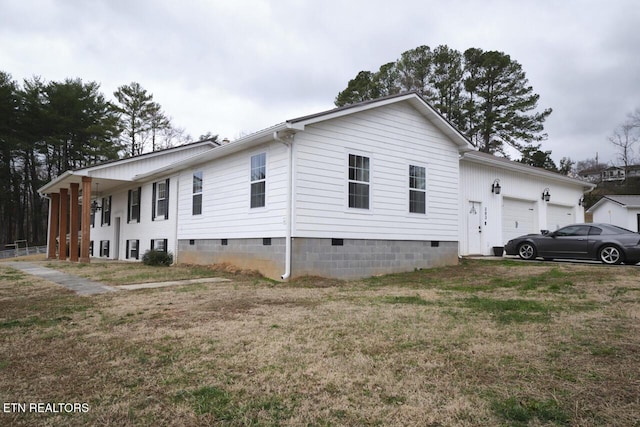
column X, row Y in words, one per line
column 519, row 208
column 227, row 184
column 392, row 137
column 144, row 230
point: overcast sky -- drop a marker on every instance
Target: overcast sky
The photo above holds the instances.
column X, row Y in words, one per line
column 238, row 66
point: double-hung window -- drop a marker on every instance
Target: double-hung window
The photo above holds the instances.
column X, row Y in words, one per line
column 417, row 189
column 133, row 211
column 159, row 245
column 359, row 178
column 133, row 249
column 160, row 207
column 104, row 248
column 258, row 180
column 196, row 203
column 106, row 211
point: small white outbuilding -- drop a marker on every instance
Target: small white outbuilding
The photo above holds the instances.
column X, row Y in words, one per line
column 623, row 211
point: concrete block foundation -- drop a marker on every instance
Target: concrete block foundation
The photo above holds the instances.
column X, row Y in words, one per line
column 333, row 258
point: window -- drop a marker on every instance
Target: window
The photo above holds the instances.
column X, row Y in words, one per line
column 133, row 205
column 91, row 248
column 160, row 206
column 573, row 230
column 196, row 204
column 132, row 248
column 358, row 181
column 258, row 180
column 159, row 245
column 104, row 248
column 106, row 211
column 417, row 189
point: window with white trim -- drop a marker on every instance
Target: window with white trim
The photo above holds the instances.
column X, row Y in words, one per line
column 104, row 248
column 133, row 249
column 417, row 189
column 159, row 245
column 258, row 180
column 196, row 203
column 160, row 206
column 133, row 211
column 359, row 178
column 106, row 211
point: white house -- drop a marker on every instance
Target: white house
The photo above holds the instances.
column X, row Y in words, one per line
column 382, row 186
column 623, row 211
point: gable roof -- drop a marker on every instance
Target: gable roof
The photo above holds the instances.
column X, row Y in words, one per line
column 503, row 163
column 292, row 126
column 413, row 98
column 75, row 175
column 625, row 201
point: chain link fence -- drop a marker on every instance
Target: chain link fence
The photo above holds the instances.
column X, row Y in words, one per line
column 30, row 250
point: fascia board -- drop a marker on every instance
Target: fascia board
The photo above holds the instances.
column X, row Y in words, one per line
column 249, row 141
column 516, row 167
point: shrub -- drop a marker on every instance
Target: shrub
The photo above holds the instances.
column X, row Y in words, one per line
column 153, row 257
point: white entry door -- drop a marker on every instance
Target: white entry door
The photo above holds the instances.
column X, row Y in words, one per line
column 474, row 228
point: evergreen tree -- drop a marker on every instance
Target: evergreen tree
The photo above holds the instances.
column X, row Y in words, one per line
column 135, row 108
column 503, row 103
column 485, row 94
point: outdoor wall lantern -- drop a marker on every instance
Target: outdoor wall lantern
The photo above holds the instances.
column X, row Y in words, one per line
column 545, row 195
column 95, row 207
column 495, row 187
column 581, row 201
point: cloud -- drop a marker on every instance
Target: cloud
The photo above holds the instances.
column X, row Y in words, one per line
column 235, row 67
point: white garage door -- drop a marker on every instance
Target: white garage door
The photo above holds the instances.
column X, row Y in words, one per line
column 518, row 218
column 559, row 216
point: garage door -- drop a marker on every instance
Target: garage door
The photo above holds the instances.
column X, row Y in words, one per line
column 518, row 218
column 559, row 216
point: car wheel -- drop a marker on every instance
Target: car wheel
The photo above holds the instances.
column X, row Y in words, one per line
column 610, row 254
column 527, row 251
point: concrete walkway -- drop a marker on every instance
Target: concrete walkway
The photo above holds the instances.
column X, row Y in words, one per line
column 77, row 284
column 84, row 286
column 173, row 283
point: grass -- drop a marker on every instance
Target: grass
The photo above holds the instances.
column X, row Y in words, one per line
column 483, row 343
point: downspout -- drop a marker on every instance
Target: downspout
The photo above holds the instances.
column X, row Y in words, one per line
column 288, row 143
column 175, row 234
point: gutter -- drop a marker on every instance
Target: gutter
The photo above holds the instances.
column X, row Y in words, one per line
column 288, row 142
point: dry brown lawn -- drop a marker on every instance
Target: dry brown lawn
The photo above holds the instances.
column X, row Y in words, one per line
column 482, row 343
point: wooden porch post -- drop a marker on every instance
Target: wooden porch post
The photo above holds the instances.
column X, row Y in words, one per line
column 64, row 209
column 74, row 224
column 86, row 219
column 54, row 211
